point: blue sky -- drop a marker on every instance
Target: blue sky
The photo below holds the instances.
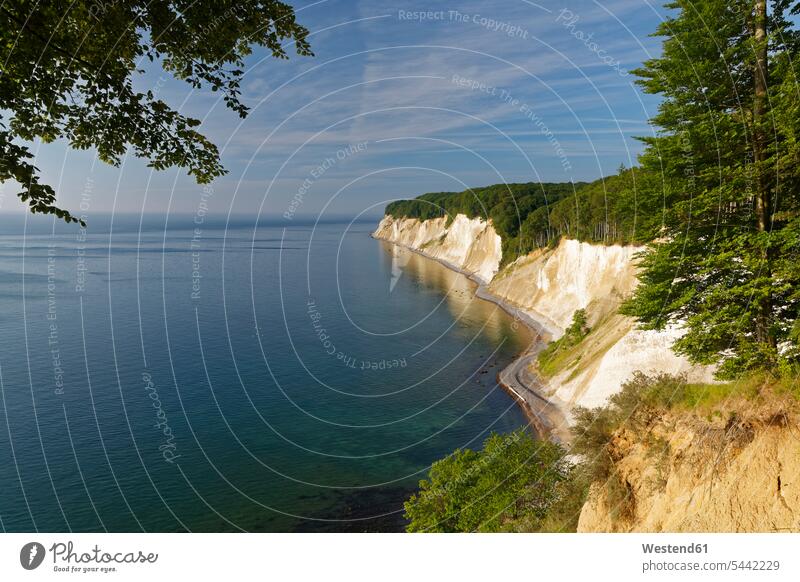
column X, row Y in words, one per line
column 395, row 104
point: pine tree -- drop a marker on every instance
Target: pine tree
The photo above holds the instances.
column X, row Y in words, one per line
column 726, row 263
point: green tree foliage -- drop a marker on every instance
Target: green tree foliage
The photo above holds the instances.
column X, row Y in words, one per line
column 617, row 209
column 573, row 335
column 726, row 263
column 68, row 71
column 507, row 205
column 513, row 478
column 534, row 215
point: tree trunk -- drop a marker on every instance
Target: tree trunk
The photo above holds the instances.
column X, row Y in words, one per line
column 759, row 106
column 763, row 203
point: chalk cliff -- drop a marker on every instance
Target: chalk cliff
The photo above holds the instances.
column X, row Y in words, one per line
column 550, row 285
column 469, row 245
column 683, row 472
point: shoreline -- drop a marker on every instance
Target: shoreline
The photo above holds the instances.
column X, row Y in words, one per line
column 547, row 417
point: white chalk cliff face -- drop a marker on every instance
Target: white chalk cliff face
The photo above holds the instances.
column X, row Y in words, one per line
column 469, row 245
column 550, row 285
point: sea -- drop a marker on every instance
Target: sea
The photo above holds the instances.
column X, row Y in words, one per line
column 189, row 373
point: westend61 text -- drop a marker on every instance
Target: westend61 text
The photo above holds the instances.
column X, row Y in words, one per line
column 671, row 549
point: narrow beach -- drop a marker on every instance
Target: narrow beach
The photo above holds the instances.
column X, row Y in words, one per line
column 547, row 417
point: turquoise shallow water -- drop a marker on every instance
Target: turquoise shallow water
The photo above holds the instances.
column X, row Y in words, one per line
column 270, row 378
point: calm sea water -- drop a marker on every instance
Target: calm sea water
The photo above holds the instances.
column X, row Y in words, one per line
column 262, row 378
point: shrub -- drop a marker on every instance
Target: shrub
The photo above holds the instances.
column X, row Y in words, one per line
column 632, row 407
column 552, row 356
column 563, row 514
column 619, row 498
column 513, row 480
